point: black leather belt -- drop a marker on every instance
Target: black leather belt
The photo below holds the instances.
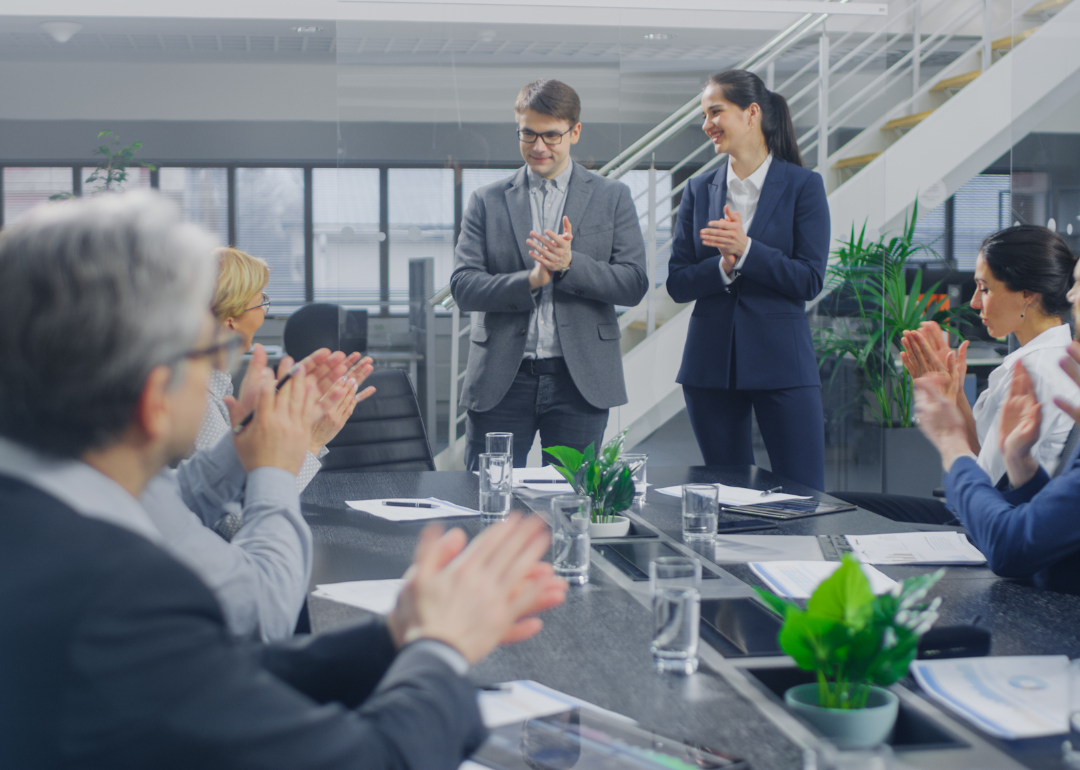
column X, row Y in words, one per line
column 542, row 365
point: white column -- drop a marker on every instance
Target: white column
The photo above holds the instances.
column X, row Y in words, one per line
column 988, row 32
column 916, row 42
column 770, row 75
column 650, row 253
column 823, row 102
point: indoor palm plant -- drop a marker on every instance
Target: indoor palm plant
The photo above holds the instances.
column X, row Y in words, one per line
column 604, row 478
column 857, row 644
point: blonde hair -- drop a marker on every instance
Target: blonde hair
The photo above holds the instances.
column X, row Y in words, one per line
column 240, row 276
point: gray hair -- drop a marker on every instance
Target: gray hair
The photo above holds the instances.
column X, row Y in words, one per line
column 94, row 293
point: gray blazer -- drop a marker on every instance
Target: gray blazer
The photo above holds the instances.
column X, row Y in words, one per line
column 491, row 275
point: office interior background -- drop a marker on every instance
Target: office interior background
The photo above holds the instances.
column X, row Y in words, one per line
column 340, row 141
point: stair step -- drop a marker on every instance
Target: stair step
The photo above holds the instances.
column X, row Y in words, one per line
column 1011, row 41
column 907, row 121
column 956, row 82
column 1046, row 6
column 857, row 160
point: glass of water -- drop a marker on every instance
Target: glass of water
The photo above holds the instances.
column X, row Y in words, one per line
column 570, row 516
column 675, row 582
column 700, row 511
column 495, row 486
column 636, row 463
column 500, row 444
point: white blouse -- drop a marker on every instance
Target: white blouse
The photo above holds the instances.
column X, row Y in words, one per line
column 1040, row 356
column 743, row 196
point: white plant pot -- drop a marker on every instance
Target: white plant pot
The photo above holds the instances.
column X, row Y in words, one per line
column 617, row 528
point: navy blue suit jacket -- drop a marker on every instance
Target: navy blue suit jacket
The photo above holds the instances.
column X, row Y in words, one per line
column 762, row 315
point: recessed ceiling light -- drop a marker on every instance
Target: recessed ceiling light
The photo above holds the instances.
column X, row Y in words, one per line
column 307, row 30
column 61, row 31
column 487, row 35
column 660, row 36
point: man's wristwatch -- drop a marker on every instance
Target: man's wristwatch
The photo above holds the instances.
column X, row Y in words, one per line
column 558, row 275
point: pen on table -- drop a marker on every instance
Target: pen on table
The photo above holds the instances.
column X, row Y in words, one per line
column 975, row 620
column 768, row 492
column 409, row 505
column 544, row 481
column 251, row 415
column 496, row 687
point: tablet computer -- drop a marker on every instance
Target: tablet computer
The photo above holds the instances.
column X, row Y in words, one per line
column 789, row 509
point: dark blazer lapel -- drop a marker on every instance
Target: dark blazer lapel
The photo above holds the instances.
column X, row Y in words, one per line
column 517, row 201
column 775, row 183
column 718, row 192
column 577, row 197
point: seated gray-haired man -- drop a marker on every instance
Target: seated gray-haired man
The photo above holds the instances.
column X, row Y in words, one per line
column 117, row 655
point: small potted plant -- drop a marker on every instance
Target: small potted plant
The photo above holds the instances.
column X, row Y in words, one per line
column 858, row 644
column 604, row 478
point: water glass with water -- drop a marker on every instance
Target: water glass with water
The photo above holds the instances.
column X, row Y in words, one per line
column 700, row 512
column 675, row 583
column 636, row 463
column 500, row 444
column 570, row 543
column 495, row 486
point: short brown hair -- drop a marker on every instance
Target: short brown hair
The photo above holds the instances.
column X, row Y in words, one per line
column 550, row 97
column 240, row 277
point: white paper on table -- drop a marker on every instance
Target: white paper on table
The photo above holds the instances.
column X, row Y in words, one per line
column 545, row 475
column 739, row 495
column 798, row 579
column 744, row 548
column 915, row 548
column 379, row 596
column 1022, row 696
column 525, row 699
column 443, row 509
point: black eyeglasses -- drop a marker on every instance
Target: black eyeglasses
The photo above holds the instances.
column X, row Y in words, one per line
column 265, row 304
column 551, row 138
column 224, row 355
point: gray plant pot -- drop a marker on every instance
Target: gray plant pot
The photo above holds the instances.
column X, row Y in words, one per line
column 910, row 465
column 847, row 728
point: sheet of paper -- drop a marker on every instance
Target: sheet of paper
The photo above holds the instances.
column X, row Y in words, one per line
column 440, row 509
column 543, row 479
column 798, row 579
column 915, row 548
column 1023, row 696
column 743, row 548
column 379, row 596
column 739, row 495
column 525, row 699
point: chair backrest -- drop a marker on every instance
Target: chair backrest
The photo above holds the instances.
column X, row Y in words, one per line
column 385, row 432
column 1067, row 451
column 324, row 325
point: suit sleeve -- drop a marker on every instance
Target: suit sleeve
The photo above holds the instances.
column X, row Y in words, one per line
column 157, row 682
column 616, row 279
column 689, row 279
column 1020, row 539
column 798, row 275
column 473, row 287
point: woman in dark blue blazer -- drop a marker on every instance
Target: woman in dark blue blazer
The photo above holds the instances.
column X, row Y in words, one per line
column 751, row 244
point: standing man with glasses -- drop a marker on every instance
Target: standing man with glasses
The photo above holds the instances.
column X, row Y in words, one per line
column 544, row 256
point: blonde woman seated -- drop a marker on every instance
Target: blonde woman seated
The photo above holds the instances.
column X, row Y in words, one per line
column 240, row 306
column 1022, row 277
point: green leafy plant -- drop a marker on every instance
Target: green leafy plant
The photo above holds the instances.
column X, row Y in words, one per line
column 871, row 272
column 603, row 478
column 112, row 171
column 852, row 639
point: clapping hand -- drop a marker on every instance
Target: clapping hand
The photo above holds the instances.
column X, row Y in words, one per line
column 552, row 250
column 940, row 419
column 728, row 236
column 1071, row 365
column 278, row 433
column 925, row 352
column 1018, row 430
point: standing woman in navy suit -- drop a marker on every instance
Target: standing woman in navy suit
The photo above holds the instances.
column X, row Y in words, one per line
column 751, row 243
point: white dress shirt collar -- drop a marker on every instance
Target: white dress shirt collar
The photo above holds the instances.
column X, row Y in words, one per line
column 562, row 181
column 1054, row 337
column 75, row 484
column 753, row 183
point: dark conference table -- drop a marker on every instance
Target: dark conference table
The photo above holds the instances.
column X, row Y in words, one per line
column 595, row 646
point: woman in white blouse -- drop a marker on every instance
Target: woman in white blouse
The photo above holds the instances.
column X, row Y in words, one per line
column 1022, row 277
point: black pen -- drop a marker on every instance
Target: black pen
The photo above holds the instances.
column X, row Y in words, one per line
column 768, row 492
column 544, row 481
column 409, row 505
column 251, row 415
column 496, row 687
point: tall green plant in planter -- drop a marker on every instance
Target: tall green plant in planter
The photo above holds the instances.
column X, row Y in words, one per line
column 871, row 272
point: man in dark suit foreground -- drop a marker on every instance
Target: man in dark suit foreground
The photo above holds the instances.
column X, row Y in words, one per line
column 114, row 655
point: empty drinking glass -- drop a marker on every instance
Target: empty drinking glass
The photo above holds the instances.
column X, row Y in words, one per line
column 636, row 463
column 700, row 511
column 675, row 582
column 570, row 537
column 500, row 444
column 495, row 486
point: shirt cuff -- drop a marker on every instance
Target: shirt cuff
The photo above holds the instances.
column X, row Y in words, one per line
column 745, row 253
column 273, row 485
column 729, row 279
column 444, row 652
column 322, row 453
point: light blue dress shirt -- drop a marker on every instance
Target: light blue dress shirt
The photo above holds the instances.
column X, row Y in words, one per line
column 547, row 198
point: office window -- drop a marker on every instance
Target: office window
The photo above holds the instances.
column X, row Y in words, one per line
column 270, row 225
column 345, row 208
column 421, row 225
column 930, row 232
column 472, row 179
column 138, row 178
column 977, row 212
column 25, row 188
column 202, row 195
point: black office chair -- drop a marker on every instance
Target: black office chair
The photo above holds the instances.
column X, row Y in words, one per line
column 385, row 432
column 323, row 325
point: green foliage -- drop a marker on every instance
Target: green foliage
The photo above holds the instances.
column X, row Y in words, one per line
column 606, row 479
column 853, row 639
column 112, row 171
column 872, row 273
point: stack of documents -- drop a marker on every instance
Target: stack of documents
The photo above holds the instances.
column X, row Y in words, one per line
column 798, row 579
column 915, row 548
column 744, row 548
column 1024, row 696
column 408, row 509
column 739, row 495
column 544, row 479
column 378, row 596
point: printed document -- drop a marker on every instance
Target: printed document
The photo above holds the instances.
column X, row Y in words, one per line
column 408, row 509
column 915, row 548
column 378, row 596
column 739, row 495
column 744, row 548
column 798, row 579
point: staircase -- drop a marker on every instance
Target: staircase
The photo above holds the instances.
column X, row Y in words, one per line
column 926, row 130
